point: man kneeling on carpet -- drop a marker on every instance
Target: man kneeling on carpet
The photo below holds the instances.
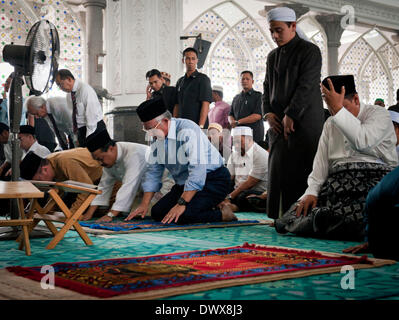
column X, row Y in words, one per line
column 248, row 169
column 75, row 164
column 202, row 182
column 122, row 161
column 356, row 149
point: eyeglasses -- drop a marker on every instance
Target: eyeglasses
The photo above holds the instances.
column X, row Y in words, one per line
column 147, row 130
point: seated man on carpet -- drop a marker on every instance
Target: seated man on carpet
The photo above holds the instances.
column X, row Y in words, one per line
column 381, row 216
column 356, row 149
column 75, row 164
column 122, row 161
column 221, row 139
column 248, row 169
column 202, row 181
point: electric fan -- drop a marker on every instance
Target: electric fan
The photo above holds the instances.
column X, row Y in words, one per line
column 37, row 62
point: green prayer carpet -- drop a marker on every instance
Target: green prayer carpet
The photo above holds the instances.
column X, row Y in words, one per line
column 376, row 283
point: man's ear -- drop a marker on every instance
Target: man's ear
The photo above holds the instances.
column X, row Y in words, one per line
column 293, row 25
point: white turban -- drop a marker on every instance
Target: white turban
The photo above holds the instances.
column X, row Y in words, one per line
column 241, row 131
column 286, row 15
column 281, row 14
column 394, row 116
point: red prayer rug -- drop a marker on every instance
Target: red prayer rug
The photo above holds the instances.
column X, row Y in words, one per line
column 186, row 272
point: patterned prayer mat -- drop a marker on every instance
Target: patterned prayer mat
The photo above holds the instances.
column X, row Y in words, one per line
column 165, row 275
column 149, row 225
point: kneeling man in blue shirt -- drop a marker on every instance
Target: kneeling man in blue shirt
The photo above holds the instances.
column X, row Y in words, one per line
column 202, row 181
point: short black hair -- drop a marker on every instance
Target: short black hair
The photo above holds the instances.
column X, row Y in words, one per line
column 350, row 96
column 190, row 49
column 3, row 127
column 153, row 72
column 249, row 72
column 110, row 143
column 65, row 74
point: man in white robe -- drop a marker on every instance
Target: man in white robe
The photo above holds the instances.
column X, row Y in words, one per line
column 122, row 161
column 356, row 149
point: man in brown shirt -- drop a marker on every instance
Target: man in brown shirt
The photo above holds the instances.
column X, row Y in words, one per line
column 75, row 164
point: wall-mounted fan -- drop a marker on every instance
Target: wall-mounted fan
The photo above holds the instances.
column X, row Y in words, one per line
column 37, row 61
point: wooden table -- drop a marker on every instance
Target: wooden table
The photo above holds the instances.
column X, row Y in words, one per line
column 20, row 190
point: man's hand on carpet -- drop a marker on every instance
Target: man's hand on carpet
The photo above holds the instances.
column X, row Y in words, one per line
column 306, row 203
column 360, row 248
column 104, row 219
column 174, row 214
column 140, row 211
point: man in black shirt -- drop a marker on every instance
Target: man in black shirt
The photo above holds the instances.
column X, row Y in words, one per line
column 246, row 108
column 157, row 88
column 193, row 92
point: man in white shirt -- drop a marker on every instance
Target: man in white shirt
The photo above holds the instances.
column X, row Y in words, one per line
column 87, row 114
column 122, row 161
column 58, row 115
column 28, row 142
column 248, row 169
column 356, row 149
column 395, row 121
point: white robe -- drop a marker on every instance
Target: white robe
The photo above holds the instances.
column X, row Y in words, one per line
column 129, row 168
column 369, row 137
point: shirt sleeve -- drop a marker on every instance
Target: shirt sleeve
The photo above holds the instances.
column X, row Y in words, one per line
column 266, row 88
column 93, row 110
column 74, row 171
column 130, row 183
column 309, row 77
column 152, row 179
column 196, row 165
column 257, row 107
column 319, row 173
column 205, row 92
column 366, row 135
column 105, row 186
column 260, row 167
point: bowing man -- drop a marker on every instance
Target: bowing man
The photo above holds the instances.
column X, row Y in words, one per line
column 122, row 161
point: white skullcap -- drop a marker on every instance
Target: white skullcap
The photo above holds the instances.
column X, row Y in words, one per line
column 241, row 131
column 217, row 88
column 286, row 15
column 216, row 126
column 394, row 116
column 281, row 14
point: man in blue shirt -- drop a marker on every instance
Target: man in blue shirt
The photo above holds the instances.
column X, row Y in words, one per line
column 202, row 182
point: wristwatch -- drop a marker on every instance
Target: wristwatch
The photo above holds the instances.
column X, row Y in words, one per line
column 229, row 197
column 237, row 124
column 201, row 126
column 110, row 214
column 182, row 202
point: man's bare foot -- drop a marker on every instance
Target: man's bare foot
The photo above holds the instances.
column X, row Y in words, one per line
column 227, row 214
column 360, row 248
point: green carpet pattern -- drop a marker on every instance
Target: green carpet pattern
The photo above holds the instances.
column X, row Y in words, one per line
column 377, row 283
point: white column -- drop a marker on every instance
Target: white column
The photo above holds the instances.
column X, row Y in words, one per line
column 332, row 27
column 141, row 35
column 94, row 39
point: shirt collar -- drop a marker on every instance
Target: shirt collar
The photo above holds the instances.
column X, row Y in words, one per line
column 118, row 151
column 249, row 92
column 193, row 75
column 75, row 85
column 172, row 129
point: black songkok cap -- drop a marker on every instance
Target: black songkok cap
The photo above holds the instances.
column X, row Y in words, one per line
column 97, row 140
column 348, row 81
column 27, row 129
column 29, row 165
column 151, row 109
